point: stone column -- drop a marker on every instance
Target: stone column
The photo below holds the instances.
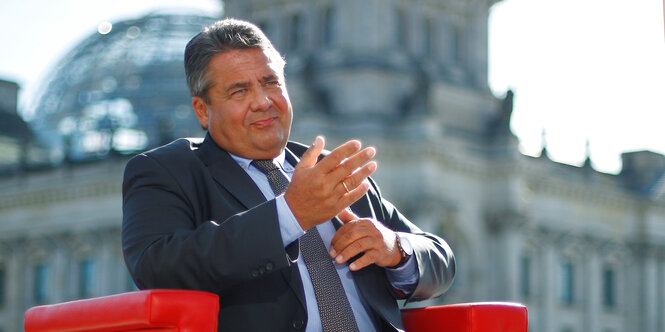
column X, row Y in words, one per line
column 660, row 292
column 632, row 289
column 505, row 248
column 514, row 242
column 14, row 286
column 108, row 262
column 60, row 272
column 548, row 286
column 119, row 269
column 649, row 283
column 592, row 291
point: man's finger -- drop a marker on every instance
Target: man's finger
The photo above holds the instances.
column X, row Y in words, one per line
column 365, row 260
column 352, row 163
column 354, row 194
column 340, row 153
column 360, row 246
column 348, row 234
column 310, row 156
column 354, row 180
column 347, row 215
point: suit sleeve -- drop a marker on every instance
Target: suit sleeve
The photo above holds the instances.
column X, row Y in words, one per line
column 166, row 245
column 434, row 257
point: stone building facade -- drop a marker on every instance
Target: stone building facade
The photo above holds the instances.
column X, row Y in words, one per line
column 60, row 238
column 585, row 251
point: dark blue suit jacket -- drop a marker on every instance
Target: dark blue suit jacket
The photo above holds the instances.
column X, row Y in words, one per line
column 193, row 219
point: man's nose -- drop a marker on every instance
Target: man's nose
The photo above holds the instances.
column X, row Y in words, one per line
column 261, row 101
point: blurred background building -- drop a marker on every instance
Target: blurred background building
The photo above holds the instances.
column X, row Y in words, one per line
column 585, row 251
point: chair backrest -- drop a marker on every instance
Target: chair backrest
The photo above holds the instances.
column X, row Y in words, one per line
column 468, row 317
column 147, row 310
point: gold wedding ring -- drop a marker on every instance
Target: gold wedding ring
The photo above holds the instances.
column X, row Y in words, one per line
column 345, row 187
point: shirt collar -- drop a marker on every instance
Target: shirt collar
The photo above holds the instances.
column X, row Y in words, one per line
column 246, row 163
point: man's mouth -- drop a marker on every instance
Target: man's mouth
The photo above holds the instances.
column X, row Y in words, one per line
column 264, row 122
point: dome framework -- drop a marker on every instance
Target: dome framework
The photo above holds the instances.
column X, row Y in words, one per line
column 121, row 90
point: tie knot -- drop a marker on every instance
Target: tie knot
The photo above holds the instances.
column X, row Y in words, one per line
column 278, row 181
column 265, row 165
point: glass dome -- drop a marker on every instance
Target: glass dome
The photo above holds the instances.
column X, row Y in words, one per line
column 121, row 90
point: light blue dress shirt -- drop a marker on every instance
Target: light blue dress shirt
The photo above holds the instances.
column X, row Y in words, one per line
column 404, row 278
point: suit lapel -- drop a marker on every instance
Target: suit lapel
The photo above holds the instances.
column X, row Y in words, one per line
column 336, row 222
column 229, row 174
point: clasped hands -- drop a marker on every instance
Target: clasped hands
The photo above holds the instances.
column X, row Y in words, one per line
column 322, row 190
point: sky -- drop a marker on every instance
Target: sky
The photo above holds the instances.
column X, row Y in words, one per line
column 584, row 72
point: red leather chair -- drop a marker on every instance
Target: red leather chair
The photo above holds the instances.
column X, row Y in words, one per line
column 148, row 310
column 468, row 317
column 195, row 311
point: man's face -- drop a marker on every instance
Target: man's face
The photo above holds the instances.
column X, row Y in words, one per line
column 249, row 113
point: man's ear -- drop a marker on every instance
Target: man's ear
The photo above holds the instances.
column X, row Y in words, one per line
column 201, row 110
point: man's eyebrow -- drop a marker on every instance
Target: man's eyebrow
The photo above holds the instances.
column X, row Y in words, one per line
column 237, row 85
column 270, row 77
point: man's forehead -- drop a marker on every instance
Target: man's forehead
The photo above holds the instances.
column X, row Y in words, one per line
column 239, row 67
column 248, row 56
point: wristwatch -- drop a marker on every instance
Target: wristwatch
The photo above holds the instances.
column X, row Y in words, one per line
column 404, row 256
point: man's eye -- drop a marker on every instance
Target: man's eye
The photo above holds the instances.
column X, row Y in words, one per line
column 238, row 92
column 273, row 83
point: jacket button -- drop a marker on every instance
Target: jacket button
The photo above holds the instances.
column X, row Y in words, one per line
column 269, row 266
column 254, row 273
column 298, row 324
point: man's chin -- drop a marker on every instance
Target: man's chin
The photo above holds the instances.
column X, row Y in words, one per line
column 271, row 149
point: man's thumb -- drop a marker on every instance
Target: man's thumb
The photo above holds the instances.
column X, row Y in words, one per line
column 311, row 156
column 347, row 215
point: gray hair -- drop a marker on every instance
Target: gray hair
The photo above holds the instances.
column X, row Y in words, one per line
column 222, row 36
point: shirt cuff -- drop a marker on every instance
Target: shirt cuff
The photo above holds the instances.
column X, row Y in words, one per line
column 289, row 226
column 405, row 277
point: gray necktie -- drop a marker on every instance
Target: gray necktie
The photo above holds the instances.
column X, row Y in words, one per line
column 334, row 308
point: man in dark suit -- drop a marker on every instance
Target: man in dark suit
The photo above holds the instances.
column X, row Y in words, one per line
column 246, row 214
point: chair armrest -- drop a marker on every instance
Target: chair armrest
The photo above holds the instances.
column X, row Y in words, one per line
column 467, row 317
column 156, row 309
